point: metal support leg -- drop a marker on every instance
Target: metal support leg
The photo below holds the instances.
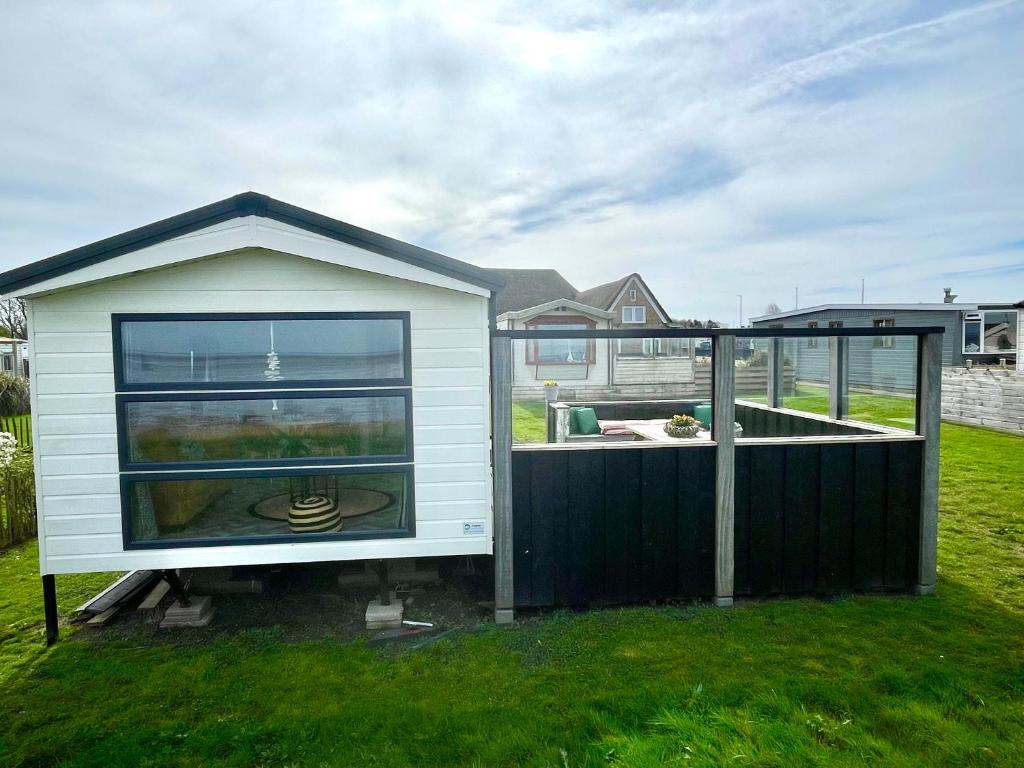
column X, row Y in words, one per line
column 50, row 608
column 383, row 585
column 177, row 588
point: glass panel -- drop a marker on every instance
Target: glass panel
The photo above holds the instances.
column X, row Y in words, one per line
column 621, row 397
column 972, row 336
column 261, row 351
column 1000, row 332
column 234, row 507
column 263, row 429
column 559, row 351
column 883, row 381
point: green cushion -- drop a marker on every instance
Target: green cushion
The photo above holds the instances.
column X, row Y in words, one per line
column 586, row 421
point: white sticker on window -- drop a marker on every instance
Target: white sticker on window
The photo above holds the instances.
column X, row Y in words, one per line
column 472, row 529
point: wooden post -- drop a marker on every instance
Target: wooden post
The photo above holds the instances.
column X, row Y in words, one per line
column 723, row 376
column 838, row 374
column 929, row 421
column 50, row 608
column 775, row 372
column 501, row 429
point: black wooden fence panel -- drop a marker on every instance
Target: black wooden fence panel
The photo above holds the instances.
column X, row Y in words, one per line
column 827, row 518
column 602, row 526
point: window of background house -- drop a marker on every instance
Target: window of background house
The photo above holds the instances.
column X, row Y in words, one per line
column 632, row 294
column 884, row 342
column 812, row 341
column 634, row 314
column 560, row 351
column 990, row 333
column 247, row 429
column 835, row 323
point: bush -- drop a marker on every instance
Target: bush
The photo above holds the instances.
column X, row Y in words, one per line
column 14, row 398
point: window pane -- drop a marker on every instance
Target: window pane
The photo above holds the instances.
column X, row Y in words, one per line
column 972, row 336
column 233, row 507
column 1000, row 332
column 261, row 351
column 265, row 429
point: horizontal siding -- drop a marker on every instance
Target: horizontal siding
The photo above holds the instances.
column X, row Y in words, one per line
column 74, row 392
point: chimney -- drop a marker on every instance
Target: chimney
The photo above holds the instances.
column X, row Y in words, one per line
column 950, row 297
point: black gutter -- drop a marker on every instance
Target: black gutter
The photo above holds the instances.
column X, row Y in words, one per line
column 245, row 204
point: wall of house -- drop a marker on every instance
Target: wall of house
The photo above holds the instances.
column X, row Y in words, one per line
column 75, row 426
column 871, row 367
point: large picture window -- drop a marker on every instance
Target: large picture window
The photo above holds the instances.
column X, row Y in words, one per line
column 990, row 333
column 560, row 351
column 241, row 429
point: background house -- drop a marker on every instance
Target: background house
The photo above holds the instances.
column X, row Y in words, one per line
column 981, row 333
column 542, row 299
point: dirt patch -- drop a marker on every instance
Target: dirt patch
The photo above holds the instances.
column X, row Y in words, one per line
column 306, row 603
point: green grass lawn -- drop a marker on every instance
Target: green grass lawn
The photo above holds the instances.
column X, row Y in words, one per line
column 871, row 680
column 885, row 410
column 528, row 425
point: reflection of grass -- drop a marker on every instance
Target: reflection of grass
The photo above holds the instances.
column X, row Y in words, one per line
column 241, row 442
column 864, row 680
column 887, row 410
column 528, row 425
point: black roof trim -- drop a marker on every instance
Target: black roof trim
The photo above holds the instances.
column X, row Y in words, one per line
column 245, row 204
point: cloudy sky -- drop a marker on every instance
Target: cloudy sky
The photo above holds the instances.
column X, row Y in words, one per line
column 717, row 148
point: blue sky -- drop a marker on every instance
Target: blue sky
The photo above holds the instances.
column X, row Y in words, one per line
column 717, row 148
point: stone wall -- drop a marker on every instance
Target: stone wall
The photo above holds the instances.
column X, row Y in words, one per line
column 984, row 397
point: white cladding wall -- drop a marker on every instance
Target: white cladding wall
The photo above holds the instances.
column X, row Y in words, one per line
column 75, row 427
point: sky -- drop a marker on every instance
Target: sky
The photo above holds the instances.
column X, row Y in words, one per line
column 720, row 149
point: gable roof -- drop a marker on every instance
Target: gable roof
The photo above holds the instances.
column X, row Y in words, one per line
column 526, row 288
column 605, row 296
column 245, row 204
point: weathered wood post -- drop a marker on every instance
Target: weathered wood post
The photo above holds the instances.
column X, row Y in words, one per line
column 776, row 382
column 723, row 376
column 501, row 431
column 838, row 375
column 929, row 421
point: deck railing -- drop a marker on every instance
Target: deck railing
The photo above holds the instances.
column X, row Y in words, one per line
column 914, row 497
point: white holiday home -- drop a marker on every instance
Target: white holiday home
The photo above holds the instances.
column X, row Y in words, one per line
column 250, row 382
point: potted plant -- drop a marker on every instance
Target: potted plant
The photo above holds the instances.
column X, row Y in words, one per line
column 682, row 426
column 551, row 390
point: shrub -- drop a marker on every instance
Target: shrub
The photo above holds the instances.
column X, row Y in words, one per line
column 14, row 399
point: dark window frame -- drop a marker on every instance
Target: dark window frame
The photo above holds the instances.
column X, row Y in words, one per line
column 120, row 385
column 408, row 531
column 248, row 390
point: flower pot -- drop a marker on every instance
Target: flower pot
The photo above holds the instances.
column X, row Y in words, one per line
column 676, row 430
column 551, row 393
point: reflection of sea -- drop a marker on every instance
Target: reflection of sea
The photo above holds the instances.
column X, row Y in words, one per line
column 146, row 368
column 311, row 411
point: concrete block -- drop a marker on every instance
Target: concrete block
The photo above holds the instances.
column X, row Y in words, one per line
column 198, row 613
column 504, row 616
column 384, row 616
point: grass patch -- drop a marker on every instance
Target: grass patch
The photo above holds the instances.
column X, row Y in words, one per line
column 885, row 410
column 936, row 681
column 528, row 425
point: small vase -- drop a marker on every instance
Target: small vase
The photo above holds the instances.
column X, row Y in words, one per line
column 551, row 393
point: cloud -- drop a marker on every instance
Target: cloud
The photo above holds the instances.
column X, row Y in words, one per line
column 716, row 148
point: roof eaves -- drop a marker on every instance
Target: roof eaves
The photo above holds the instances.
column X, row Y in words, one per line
column 245, row 204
